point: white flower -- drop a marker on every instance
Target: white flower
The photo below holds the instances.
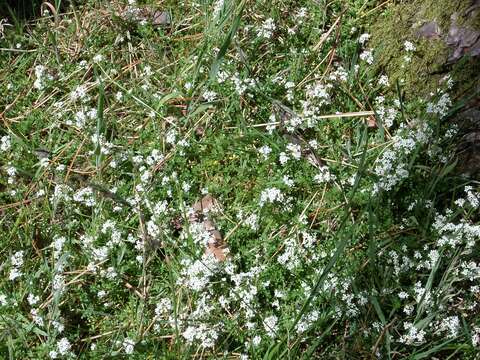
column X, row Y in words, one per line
column 63, row 346
column 363, row 38
column 409, row 46
column 79, row 93
column 85, row 196
column 413, row 336
column 250, row 221
column 323, row 175
column 189, row 334
column 163, row 307
column 171, row 137
column 287, row 181
column 98, row 58
column 217, row 7
column 32, row 299
column 265, row 151
column 14, row 273
column 301, row 13
column 295, row 151
column 17, row 259
column 267, row 28
column 271, row 195
column 58, row 326
column 196, row 274
column 209, row 96
column 283, row 158
column 5, row 143
column 476, row 337
column 39, row 74
column 450, row 325
column 128, row 346
column 270, row 325
column 58, row 245
column 367, row 56
column 44, row 162
column 186, row 186
column 147, row 70
column 383, row 80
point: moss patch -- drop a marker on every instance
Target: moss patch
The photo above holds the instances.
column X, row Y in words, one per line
column 399, row 23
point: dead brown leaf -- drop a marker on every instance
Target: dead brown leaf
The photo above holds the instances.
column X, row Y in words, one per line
column 161, row 18
column 207, row 203
column 371, row 122
column 202, row 209
column 146, row 14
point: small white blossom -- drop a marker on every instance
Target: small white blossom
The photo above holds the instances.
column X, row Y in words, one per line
column 409, row 46
column 363, row 38
column 270, row 325
column 267, row 29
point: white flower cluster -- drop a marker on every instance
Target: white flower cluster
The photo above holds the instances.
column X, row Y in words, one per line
column 301, row 14
column 270, row 325
column 386, row 114
column 85, row 196
column 81, row 117
column 450, row 326
column 128, row 346
column 265, row 151
column 250, row 221
column 40, row 77
column 3, row 300
column 453, row 235
column 5, row 143
column 57, row 244
column 383, row 80
column 242, row 85
column 441, row 107
column 266, row 30
column 367, row 56
column 363, row 38
column 115, row 233
column 390, row 167
column 307, row 321
column 79, row 93
column 99, row 141
column 476, row 336
column 271, row 195
column 163, row 307
column 209, row 96
column 316, row 96
column 324, row 175
column 296, row 253
column 294, row 152
column 61, row 192
column 196, row 274
column 409, row 46
column 289, row 86
column 63, row 348
column 202, row 333
column 340, row 74
column 414, row 336
column 218, row 6
column 17, row 263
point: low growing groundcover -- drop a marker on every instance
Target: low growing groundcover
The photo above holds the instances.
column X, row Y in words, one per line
column 230, row 179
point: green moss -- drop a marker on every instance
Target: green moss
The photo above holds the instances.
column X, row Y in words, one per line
column 401, row 22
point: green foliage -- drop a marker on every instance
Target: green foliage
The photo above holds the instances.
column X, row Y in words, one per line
column 350, row 232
